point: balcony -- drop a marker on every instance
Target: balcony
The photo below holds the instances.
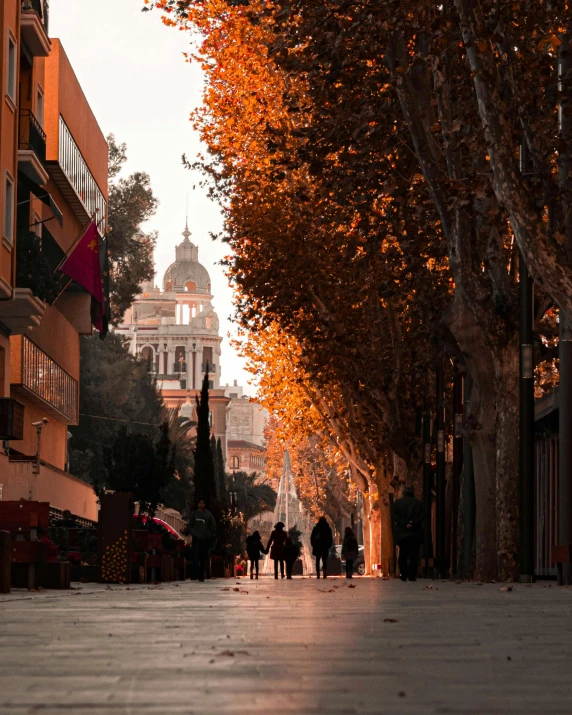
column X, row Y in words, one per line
column 23, row 312
column 72, row 176
column 39, row 379
column 34, row 27
column 32, row 148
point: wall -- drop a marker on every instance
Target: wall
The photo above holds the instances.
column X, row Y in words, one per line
column 58, row 339
column 65, row 96
column 9, row 20
column 61, row 490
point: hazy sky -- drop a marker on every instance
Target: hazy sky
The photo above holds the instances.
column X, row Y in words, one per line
column 139, row 86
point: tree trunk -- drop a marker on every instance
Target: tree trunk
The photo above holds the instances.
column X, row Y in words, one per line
column 481, row 426
column 507, row 468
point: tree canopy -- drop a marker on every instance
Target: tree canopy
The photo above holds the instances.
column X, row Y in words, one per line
column 383, row 168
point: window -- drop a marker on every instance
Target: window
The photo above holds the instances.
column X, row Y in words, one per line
column 40, row 106
column 11, row 69
column 9, row 208
column 236, row 462
column 210, row 415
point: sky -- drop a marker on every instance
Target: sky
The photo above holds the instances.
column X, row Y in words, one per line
column 133, row 73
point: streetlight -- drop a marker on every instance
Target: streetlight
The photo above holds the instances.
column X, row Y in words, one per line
column 194, row 349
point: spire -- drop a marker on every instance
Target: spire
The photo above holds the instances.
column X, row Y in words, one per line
column 186, row 232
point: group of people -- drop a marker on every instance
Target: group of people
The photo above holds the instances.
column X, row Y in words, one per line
column 284, row 552
column 408, row 519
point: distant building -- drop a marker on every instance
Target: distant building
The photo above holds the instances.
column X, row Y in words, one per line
column 176, row 330
column 245, row 432
column 243, row 456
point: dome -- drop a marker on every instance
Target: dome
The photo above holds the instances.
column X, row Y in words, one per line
column 187, row 269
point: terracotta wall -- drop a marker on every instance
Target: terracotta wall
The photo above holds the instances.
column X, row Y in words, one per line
column 8, row 133
column 58, row 339
column 59, row 489
column 65, row 96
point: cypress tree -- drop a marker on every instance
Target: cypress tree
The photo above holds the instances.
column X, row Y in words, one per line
column 204, row 478
column 221, row 475
column 215, row 467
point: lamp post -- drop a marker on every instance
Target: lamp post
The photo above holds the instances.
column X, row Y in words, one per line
column 194, row 348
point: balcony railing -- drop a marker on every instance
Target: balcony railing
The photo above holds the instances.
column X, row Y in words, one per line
column 40, row 7
column 32, row 136
column 80, row 177
column 39, row 378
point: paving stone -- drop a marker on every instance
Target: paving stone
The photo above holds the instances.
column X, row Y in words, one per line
column 301, row 646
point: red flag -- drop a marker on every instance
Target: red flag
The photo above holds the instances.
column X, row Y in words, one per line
column 82, row 266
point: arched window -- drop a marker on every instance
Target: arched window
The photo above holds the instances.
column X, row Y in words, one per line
column 235, row 463
column 147, row 354
column 191, row 287
column 169, row 286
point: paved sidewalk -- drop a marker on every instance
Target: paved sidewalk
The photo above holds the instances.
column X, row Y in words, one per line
column 303, row 647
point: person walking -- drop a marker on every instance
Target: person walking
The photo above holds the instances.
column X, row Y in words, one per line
column 202, row 527
column 254, row 549
column 321, row 541
column 276, row 547
column 291, row 553
column 350, row 550
column 408, row 516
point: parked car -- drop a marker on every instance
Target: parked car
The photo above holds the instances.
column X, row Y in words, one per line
column 359, row 563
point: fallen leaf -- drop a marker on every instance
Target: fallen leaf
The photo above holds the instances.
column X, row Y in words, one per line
column 506, row 588
column 390, row 620
column 351, row 585
column 401, row 693
column 236, row 589
column 329, row 590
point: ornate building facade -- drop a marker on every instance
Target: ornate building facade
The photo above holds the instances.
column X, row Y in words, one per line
column 177, row 330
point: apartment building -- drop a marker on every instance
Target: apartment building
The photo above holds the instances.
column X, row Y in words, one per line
column 53, row 164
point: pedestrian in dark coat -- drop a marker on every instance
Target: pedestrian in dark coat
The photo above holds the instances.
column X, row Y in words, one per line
column 350, row 550
column 202, row 527
column 408, row 517
column 291, row 553
column 254, row 549
column 321, row 541
column 276, row 547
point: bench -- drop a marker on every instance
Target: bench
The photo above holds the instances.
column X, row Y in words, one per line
column 27, row 522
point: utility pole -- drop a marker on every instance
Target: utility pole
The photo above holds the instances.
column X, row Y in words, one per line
column 427, row 496
column 526, row 455
column 458, row 404
column 440, row 537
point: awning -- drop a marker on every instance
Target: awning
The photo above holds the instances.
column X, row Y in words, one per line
column 43, row 195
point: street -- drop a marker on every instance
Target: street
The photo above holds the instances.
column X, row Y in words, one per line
column 304, row 646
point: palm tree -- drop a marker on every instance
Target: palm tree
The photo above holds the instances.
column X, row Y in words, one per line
column 251, row 496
